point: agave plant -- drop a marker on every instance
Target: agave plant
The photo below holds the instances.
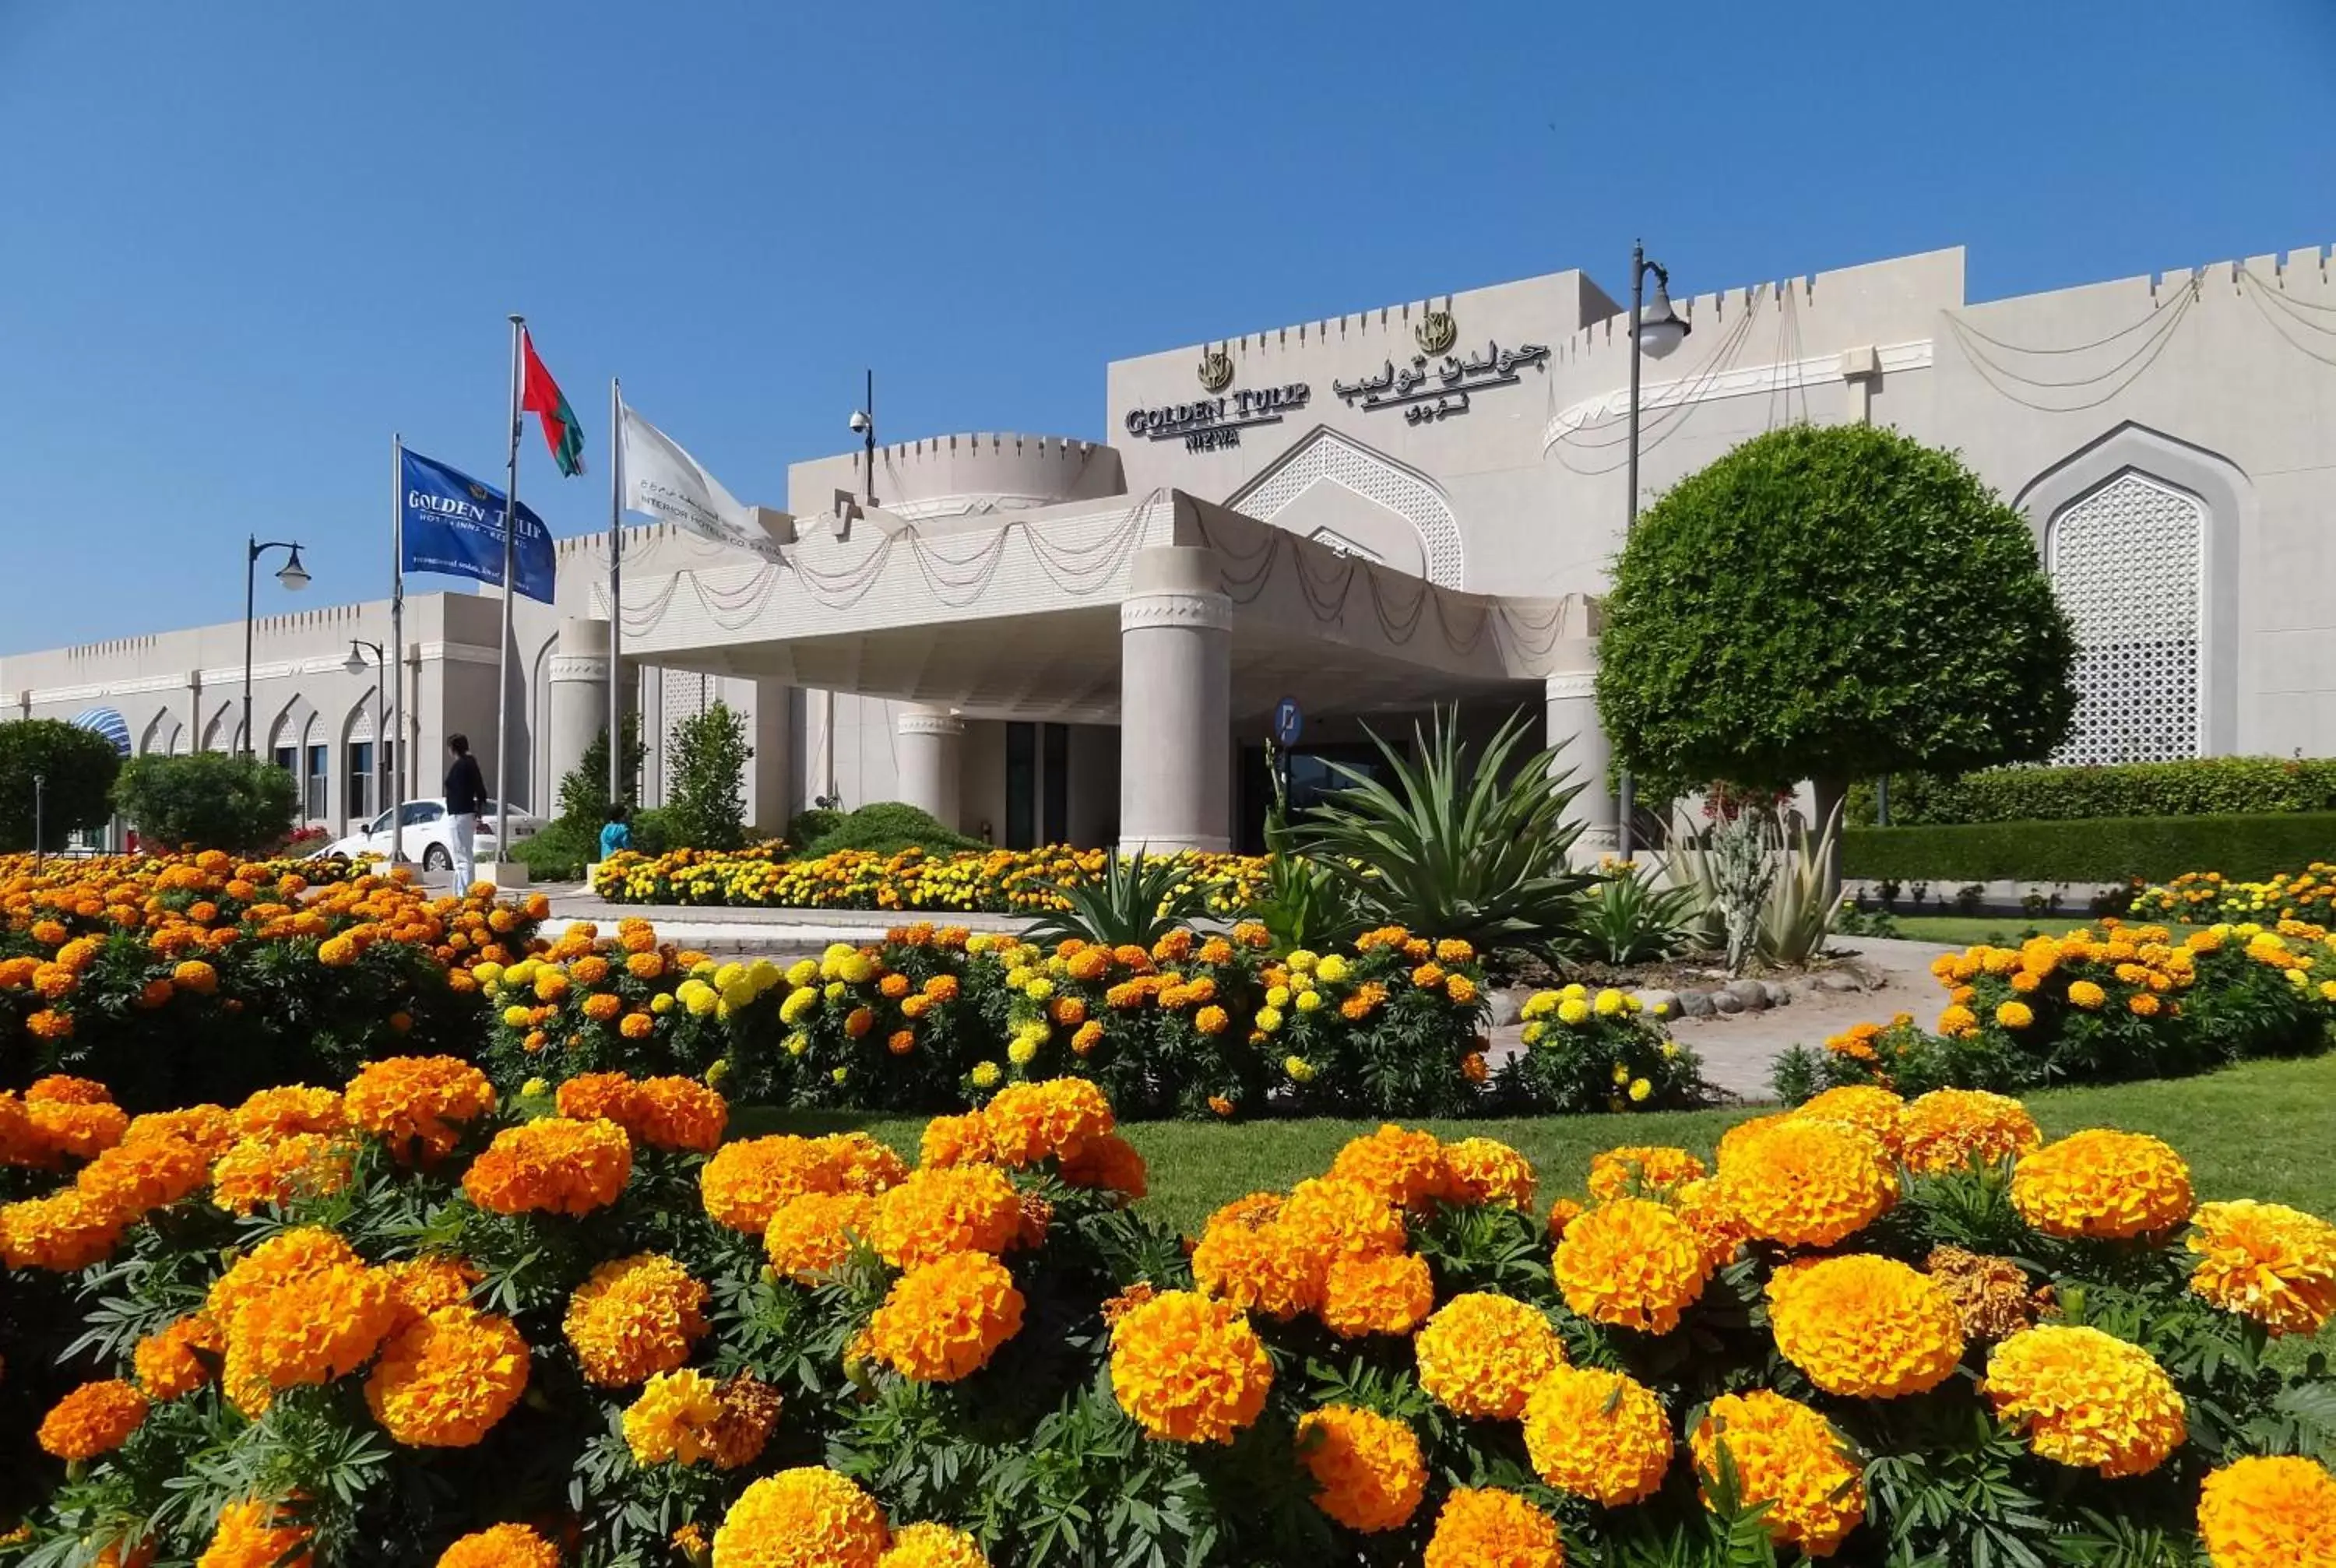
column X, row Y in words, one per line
column 1135, row 901
column 1630, row 919
column 1752, row 889
column 1457, row 844
column 1798, row 913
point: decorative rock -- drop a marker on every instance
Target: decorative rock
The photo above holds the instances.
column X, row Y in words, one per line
column 1842, row 980
column 1752, row 994
column 1696, row 1004
column 1725, row 1002
column 1659, row 1004
column 1507, row 1007
column 1779, row 994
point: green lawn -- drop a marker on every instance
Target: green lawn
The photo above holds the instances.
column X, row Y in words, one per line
column 1996, row 930
column 2261, row 1131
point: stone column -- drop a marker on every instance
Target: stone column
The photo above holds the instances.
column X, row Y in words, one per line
column 770, row 777
column 1570, row 691
column 578, row 699
column 926, row 754
column 1175, row 708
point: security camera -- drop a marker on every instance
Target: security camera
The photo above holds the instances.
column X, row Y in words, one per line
column 859, row 423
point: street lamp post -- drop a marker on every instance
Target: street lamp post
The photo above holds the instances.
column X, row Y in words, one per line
column 356, row 665
column 1655, row 329
column 863, row 425
column 293, row 576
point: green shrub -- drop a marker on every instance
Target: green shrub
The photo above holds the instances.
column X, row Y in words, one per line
column 808, row 827
column 886, row 827
column 209, row 801
column 563, row 849
column 77, row 769
column 584, row 790
column 2194, row 786
column 2100, row 850
column 707, row 801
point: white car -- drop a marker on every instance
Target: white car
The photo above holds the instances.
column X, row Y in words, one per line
column 427, row 836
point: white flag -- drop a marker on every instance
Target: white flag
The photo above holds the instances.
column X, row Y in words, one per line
column 670, row 485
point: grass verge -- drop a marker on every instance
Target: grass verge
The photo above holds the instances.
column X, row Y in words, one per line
column 2258, row 1131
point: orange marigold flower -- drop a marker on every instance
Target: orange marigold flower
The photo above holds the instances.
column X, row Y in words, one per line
column 1483, row 1171
column 178, row 1360
column 81, row 1129
column 134, row 1178
column 1110, row 1163
column 946, row 1209
column 1243, row 1258
column 956, row 1140
column 1406, row 1168
column 1867, row 1327
column 1874, row 1111
column 1641, row 1172
column 311, row 1329
column 1483, row 1528
column 1949, row 1129
column 2103, row 1184
column 1381, row 1294
column 1786, row 1454
column 62, row 1232
column 1633, row 1263
column 418, row 1105
column 1482, row 1354
column 745, row 1181
column 944, row 1319
column 284, row 1257
column 552, row 1165
column 501, row 1546
column 634, row 1316
column 2264, row 1512
column 259, row 1171
column 257, row 1533
column 1805, row 1183
column 446, row 1379
column 2272, row 1263
column 95, row 1419
column 421, row 1286
column 1369, row 1472
column 929, row 1545
column 1028, row 1121
column 1598, row 1435
column 802, row 1518
column 1189, row 1370
column 810, row 1236
column 860, row 1164
column 2083, row 1399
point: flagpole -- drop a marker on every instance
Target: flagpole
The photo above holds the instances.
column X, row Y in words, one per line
column 396, row 739
column 616, row 598
column 502, row 660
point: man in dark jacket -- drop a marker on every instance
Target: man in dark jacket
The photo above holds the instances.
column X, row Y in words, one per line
column 466, row 798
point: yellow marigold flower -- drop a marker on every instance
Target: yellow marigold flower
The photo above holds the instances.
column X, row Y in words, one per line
column 810, row 1236
column 1949, row 1129
column 944, row 1319
column 2103, row 1184
column 1805, row 1183
column 2083, row 1399
column 1028, row 1121
column 1785, row 1455
column 1598, row 1435
column 674, row 1418
column 948, row 1209
column 1875, row 1111
column 1573, row 1011
column 1482, row 1354
column 2087, row 995
column 1637, row 1172
column 281, row 1113
column 249, row 1535
column 1633, row 1263
column 1300, row 1069
column 311, row 1329
column 1405, row 1168
column 986, row 1074
column 445, row 1379
column 257, row 1171
column 932, row 1546
column 501, row 1546
column 417, row 1104
column 1485, row 1171
column 95, row 1419
column 1189, row 1370
column 167, row 1362
column 1867, row 1327
column 552, row 1165
column 2268, row 1512
column 1369, row 1472
column 2275, row 1264
column 804, row 1518
column 1386, row 1294
column 634, row 1318
column 1481, row 1528
column 2014, row 1015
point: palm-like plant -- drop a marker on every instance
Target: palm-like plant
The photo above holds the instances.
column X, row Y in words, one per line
column 1457, row 844
column 1135, row 901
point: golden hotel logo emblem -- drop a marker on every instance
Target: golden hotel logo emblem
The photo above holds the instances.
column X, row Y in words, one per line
column 1437, row 332
column 1216, row 369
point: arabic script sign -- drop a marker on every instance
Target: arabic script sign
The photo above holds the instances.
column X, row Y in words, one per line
column 1428, row 391
column 1219, row 417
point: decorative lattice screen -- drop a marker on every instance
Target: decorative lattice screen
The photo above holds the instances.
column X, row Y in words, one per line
column 2127, row 563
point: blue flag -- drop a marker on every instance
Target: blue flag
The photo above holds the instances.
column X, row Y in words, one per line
column 454, row 524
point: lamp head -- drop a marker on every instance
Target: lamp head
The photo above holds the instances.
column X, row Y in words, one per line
column 293, row 575
column 354, row 664
column 1660, row 328
column 860, row 422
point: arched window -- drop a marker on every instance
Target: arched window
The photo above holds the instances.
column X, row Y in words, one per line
column 2128, row 565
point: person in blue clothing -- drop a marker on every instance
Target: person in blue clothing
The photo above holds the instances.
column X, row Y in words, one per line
column 617, row 834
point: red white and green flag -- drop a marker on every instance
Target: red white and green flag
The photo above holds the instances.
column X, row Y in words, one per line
column 541, row 395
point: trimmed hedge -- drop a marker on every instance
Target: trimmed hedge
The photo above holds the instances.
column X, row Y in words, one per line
column 2197, row 786
column 2100, row 850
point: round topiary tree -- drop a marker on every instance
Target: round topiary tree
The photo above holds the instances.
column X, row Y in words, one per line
column 76, row 768
column 1831, row 603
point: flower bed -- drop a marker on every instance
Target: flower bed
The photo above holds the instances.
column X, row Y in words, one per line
column 457, row 1330
column 2309, row 895
column 995, row 882
column 2129, row 1002
column 935, row 1018
column 197, row 977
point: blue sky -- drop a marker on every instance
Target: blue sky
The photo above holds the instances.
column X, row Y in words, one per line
column 245, row 242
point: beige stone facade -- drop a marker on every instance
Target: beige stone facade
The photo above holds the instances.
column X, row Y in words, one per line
column 1043, row 639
